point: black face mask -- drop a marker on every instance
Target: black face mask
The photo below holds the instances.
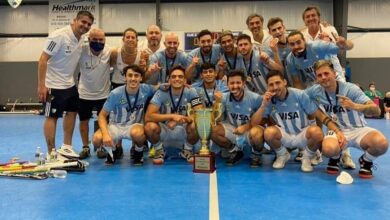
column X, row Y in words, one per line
column 96, row 46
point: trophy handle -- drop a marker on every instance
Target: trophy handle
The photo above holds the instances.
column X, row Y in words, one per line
column 190, row 111
column 217, row 113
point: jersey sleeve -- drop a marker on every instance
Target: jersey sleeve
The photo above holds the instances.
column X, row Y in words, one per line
column 306, row 103
column 356, row 94
column 157, row 98
column 53, row 44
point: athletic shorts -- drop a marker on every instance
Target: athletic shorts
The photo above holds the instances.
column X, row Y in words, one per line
column 298, row 140
column 119, row 132
column 241, row 141
column 87, row 106
column 354, row 136
column 173, row 138
column 60, row 100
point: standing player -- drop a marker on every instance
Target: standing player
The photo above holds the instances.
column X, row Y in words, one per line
column 167, row 120
column 291, row 109
column 254, row 23
column 230, row 59
column 206, row 52
column 56, row 86
column 256, row 63
column 162, row 61
column 235, row 131
column 94, row 83
column 346, row 105
column 126, row 106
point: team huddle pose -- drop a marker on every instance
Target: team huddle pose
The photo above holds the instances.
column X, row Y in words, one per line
column 277, row 92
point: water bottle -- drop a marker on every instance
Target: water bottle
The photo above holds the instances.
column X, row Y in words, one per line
column 41, row 159
column 53, row 155
column 58, row 173
column 37, row 153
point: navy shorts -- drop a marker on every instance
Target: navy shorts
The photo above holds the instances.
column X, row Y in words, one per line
column 87, row 106
column 60, row 100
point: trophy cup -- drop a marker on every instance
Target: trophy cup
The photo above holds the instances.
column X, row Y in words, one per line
column 204, row 119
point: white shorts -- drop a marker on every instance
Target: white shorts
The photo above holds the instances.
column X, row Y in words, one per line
column 173, row 137
column 294, row 140
column 239, row 140
column 119, row 132
column 354, row 136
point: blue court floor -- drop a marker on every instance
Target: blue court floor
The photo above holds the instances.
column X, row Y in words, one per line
column 173, row 191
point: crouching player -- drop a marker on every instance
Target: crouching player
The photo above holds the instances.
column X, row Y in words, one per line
column 167, row 123
column 291, row 109
column 125, row 105
column 346, row 105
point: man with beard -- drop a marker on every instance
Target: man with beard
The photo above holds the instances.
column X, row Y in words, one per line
column 153, row 40
column 346, row 105
column 256, row 63
column 291, row 109
column 94, row 83
column 167, row 122
column 230, row 59
column 56, row 86
column 235, row 132
column 304, row 54
column 162, row 61
column 206, row 52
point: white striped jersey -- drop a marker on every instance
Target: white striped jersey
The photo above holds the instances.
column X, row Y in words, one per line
column 346, row 118
column 119, row 108
column 292, row 113
column 239, row 112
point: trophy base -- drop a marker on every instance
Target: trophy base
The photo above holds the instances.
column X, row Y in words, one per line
column 204, row 163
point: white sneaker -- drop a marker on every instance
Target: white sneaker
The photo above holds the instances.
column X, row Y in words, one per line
column 317, row 159
column 346, row 160
column 281, row 160
column 306, row 162
column 67, row 151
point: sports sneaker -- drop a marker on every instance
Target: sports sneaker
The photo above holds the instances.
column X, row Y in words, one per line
column 67, row 151
column 101, row 152
column 187, row 155
column 346, row 160
column 235, row 156
column 109, row 160
column 333, row 166
column 118, row 153
column 159, row 156
column 152, row 152
column 306, row 163
column 138, row 158
column 317, row 159
column 365, row 171
column 85, row 153
column 281, row 160
column 255, row 160
column 299, row 156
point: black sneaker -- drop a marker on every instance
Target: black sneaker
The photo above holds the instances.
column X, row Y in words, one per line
column 255, row 160
column 118, row 153
column 109, row 160
column 234, row 157
column 101, row 153
column 365, row 171
column 138, row 158
column 85, row 153
column 333, row 166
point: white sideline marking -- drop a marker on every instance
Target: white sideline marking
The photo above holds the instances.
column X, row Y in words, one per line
column 213, row 196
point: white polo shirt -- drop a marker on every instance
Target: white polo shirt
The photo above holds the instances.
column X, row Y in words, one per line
column 65, row 50
column 94, row 80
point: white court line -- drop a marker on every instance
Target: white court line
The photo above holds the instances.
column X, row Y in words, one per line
column 213, row 197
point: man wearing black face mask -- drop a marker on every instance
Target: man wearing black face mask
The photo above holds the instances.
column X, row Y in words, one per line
column 94, row 83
